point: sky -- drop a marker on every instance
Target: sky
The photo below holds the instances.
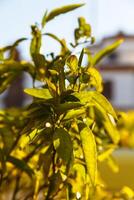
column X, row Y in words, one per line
column 107, row 17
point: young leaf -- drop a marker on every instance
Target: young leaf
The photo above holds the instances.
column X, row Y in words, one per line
column 90, row 153
column 44, row 20
column 18, row 41
column 72, row 63
column 58, row 11
column 106, row 51
column 81, row 58
column 39, row 93
column 63, row 144
column 95, row 78
column 36, row 40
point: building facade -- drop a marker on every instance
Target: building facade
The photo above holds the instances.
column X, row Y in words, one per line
column 117, row 70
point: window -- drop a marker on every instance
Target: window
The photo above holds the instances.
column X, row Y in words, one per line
column 108, row 89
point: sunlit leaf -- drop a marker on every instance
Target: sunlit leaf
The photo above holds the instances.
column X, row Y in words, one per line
column 95, row 79
column 36, row 40
column 108, row 125
column 96, row 98
column 43, row 22
column 39, row 93
column 74, row 114
column 72, row 63
column 101, row 100
column 90, row 153
column 58, row 11
column 127, row 192
column 102, row 53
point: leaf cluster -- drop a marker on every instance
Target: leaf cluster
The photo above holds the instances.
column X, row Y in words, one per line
column 52, row 146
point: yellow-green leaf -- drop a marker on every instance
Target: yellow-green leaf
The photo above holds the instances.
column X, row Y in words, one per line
column 74, row 113
column 103, row 102
column 90, row 153
column 58, row 11
column 72, row 63
column 95, row 78
column 39, row 93
column 102, row 53
column 108, row 125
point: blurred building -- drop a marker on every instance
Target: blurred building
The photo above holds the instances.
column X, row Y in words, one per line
column 14, row 96
column 117, row 70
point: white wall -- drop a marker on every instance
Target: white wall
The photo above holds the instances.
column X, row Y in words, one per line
column 123, row 88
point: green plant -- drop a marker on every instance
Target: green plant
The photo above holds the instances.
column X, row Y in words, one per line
column 52, row 146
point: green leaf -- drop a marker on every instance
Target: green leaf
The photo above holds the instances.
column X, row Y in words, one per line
column 103, row 102
column 74, row 114
column 52, row 87
column 11, row 47
column 18, row 41
column 39, row 60
column 90, row 153
column 83, row 96
column 2, row 160
column 5, row 82
column 67, row 106
column 81, row 58
column 58, row 11
column 8, row 141
column 102, row 53
column 28, row 138
column 45, row 160
column 39, row 93
column 72, row 63
column 44, row 20
column 54, row 186
column 63, row 144
column 108, row 125
column 95, row 97
column 36, row 40
column 20, row 164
